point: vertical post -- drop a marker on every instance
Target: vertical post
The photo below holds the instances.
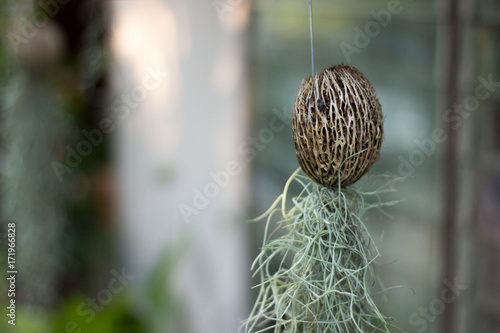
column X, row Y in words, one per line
column 32, row 131
column 450, row 184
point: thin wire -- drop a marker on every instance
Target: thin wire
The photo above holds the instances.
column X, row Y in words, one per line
column 312, row 39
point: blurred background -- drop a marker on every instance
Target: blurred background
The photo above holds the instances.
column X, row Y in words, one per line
column 138, row 138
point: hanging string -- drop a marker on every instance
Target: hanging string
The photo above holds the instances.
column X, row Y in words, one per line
column 311, row 30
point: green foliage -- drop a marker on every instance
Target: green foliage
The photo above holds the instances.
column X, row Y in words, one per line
column 116, row 317
column 317, row 277
column 166, row 306
column 160, row 310
column 28, row 320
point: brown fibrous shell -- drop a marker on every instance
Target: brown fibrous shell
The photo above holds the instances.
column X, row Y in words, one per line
column 337, row 126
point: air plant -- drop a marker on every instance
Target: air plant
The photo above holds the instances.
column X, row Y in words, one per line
column 317, row 276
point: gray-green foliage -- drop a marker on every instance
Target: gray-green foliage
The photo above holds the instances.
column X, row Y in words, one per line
column 317, row 276
column 32, row 195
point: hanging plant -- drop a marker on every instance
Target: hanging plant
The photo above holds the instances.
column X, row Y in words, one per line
column 324, row 259
column 317, row 276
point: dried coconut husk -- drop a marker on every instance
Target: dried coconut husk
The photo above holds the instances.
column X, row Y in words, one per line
column 337, row 126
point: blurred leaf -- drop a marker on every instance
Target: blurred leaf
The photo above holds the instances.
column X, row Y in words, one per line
column 167, row 304
column 116, row 317
column 28, row 320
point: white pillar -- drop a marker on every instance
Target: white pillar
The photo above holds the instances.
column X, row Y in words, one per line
column 179, row 99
